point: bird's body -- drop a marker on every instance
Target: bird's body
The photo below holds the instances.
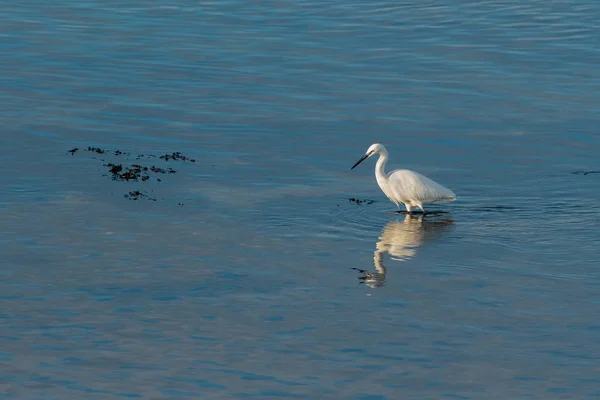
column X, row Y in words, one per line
column 404, row 186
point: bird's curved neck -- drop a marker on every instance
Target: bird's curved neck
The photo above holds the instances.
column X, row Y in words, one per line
column 380, row 166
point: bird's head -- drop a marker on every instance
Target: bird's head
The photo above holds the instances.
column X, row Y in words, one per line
column 375, row 148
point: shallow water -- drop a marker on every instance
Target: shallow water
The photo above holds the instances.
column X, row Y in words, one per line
column 252, row 275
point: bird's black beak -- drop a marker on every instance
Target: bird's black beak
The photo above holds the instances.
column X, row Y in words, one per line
column 361, row 160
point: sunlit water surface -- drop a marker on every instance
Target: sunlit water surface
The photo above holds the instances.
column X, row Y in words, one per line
column 252, row 275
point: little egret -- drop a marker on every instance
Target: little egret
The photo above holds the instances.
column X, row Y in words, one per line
column 405, row 186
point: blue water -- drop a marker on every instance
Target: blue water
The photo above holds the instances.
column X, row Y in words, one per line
column 238, row 281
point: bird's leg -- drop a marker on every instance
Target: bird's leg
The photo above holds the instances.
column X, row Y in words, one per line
column 408, row 208
column 422, row 209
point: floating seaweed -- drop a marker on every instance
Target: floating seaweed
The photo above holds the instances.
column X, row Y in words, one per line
column 176, row 156
column 136, row 195
column 135, row 172
column 162, row 170
column 96, row 150
column 358, row 201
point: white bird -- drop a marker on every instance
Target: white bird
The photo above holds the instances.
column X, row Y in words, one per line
column 404, row 186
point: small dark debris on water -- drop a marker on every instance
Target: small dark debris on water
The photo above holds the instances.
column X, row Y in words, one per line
column 114, row 169
column 176, row 156
column 585, row 172
column 103, row 151
column 72, row 151
column 134, row 172
column 136, row 195
column 358, row 201
column 120, row 174
column 158, row 170
column 96, row 150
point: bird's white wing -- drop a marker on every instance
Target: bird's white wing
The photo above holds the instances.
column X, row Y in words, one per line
column 410, row 185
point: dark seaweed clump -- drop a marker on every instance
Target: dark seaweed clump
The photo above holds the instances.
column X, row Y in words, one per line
column 176, row 156
column 96, row 150
column 136, row 195
column 358, row 201
column 162, row 170
column 135, row 172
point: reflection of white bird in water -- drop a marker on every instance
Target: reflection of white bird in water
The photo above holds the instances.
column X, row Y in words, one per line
column 405, row 186
column 401, row 240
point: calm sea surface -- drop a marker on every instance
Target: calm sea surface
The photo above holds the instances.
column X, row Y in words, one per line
column 248, row 273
